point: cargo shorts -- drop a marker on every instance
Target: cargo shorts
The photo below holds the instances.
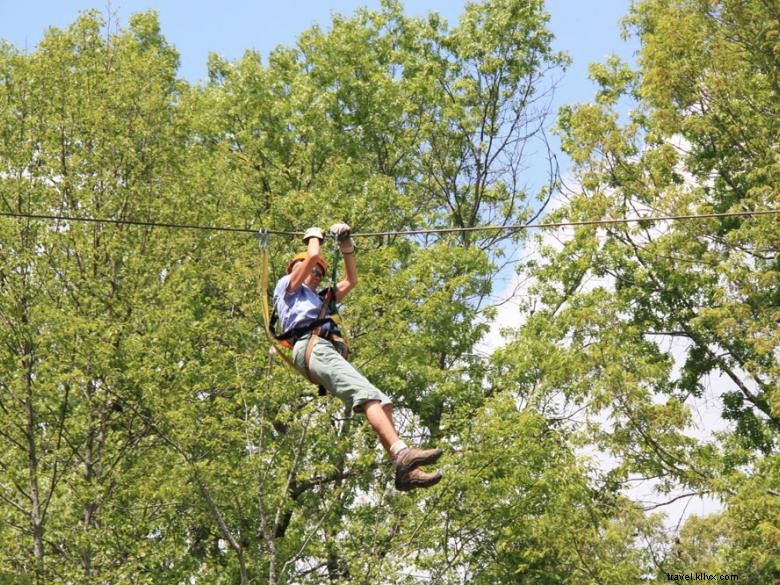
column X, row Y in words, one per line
column 337, row 375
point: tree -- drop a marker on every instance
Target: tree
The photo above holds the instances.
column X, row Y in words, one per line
column 632, row 322
column 83, row 138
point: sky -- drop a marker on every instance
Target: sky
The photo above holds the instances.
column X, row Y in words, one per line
column 587, row 29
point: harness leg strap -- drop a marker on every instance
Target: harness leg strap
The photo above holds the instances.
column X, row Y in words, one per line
column 307, row 356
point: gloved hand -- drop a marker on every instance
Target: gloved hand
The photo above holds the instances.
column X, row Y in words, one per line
column 343, row 235
column 313, row 232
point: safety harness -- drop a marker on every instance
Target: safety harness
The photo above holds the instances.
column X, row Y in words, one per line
column 315, row 330
column 288, row 339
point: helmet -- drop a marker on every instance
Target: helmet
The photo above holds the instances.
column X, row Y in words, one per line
column 301, row 257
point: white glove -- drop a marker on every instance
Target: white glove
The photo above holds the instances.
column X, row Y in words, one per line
column 313, row 232
column 343, row 235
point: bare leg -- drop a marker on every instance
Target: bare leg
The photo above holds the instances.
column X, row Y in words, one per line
column 388, row 408
column 381, row 420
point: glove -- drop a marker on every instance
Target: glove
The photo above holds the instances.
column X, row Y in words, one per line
column 343, row 235
column 313, row 232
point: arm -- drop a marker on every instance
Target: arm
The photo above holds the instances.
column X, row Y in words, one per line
column 303, row 269
column 350, row 279
column 343, row 235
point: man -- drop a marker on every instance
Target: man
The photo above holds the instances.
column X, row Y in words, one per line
column 314, row 354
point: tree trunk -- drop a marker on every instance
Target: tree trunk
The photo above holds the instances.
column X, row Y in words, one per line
column 36, row 512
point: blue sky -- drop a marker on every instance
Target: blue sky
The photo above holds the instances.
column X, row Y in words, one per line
column 587, row 29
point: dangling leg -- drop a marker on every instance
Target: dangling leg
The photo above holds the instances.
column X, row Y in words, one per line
column 381, row 420
column 343, row 380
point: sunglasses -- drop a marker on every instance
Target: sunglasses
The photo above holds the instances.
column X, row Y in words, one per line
column 317, row 272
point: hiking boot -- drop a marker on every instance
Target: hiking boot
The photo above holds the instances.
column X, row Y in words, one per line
column 412, row 458
column 415, row 478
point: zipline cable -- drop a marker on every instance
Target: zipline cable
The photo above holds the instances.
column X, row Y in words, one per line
column 132, row 222
column 519, row 227
column 417, row 232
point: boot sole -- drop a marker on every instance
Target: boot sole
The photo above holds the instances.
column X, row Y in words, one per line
column 419, row 484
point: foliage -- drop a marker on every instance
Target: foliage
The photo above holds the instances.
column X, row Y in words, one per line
column 633, row 325
column 147, row 434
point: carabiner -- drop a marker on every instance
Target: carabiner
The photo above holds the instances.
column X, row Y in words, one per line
column 263, row 238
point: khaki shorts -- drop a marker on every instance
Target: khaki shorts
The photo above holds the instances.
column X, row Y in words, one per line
column 336, row 374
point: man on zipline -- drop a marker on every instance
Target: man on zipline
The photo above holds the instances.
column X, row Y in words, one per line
column 316, row 355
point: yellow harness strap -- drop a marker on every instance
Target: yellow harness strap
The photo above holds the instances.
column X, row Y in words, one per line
column 263, row 290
